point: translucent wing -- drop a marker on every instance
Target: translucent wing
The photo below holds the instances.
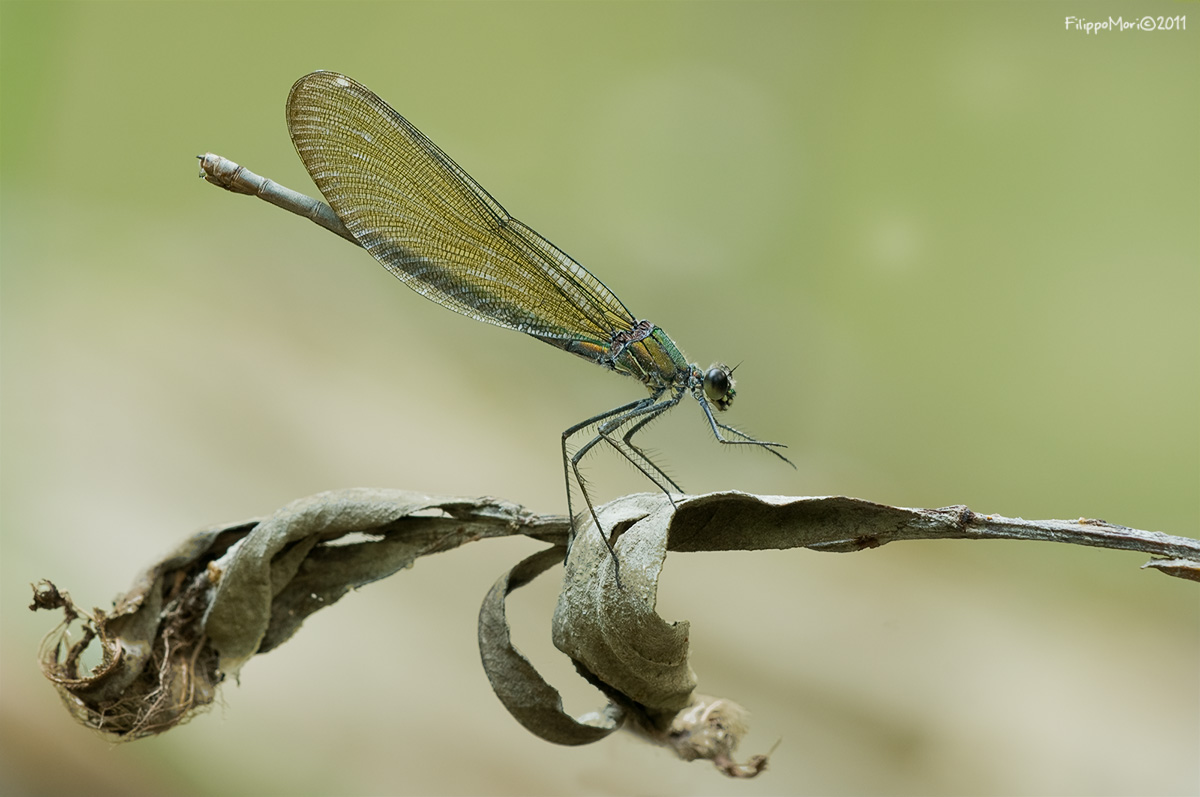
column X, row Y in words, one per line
column 420, row 215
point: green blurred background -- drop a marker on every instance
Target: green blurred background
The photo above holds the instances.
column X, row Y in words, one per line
column 955, row 247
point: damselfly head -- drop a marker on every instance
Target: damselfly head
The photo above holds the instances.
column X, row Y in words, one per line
column 718, row 385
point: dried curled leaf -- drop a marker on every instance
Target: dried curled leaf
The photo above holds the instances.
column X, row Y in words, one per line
column 640, row 660
column 617, row 639
column 232, row 591
column 527, row 696
column 612, row 630
column 155, row 669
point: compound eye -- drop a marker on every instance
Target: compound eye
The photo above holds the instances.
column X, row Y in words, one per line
column 718, row 386
column 716, row 383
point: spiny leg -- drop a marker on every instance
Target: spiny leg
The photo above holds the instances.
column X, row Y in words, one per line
column 627, row 439
column 631, row 412
column 615, row 420
column 746, row 440
column 628, row 449
column 567, row 461
column 650, row 408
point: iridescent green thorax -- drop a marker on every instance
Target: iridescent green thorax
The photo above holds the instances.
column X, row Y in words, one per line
column 642, row 351
column 655, row 361
column 646, row 353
